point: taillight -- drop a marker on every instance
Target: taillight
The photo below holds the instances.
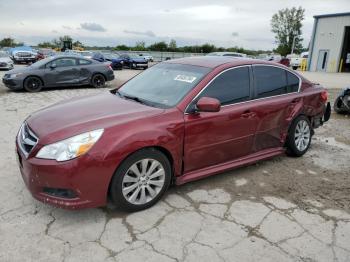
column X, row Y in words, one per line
column 110, row 67
column 324, row 96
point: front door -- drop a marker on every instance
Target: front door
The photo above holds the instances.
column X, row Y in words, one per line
column 322, row 60
column 214, row 138
column 65, row 72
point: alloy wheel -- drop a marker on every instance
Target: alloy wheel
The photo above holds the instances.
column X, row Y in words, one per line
column 302, row 135
column 143, row 181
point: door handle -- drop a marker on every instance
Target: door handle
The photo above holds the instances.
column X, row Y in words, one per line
column 295, row 101
column 248, row 114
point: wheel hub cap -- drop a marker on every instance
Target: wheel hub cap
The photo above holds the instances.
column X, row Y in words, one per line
column 302, row 135
column 143, row 181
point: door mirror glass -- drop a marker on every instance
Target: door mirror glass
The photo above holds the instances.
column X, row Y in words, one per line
column 208, row 104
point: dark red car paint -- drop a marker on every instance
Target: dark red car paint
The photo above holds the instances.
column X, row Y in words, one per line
column 198, row 145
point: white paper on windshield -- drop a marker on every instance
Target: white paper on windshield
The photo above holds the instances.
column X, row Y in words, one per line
column 184, row 78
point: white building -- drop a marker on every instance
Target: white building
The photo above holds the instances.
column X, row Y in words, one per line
column 330, row 43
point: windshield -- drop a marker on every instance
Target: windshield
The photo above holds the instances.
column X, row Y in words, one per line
column 164, row 85
column 4, row 54
column 42, row 62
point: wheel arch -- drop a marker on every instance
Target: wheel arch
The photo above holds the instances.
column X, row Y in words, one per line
column 159, row 148
column 40, row 78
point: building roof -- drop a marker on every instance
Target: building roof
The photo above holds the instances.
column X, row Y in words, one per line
column 332, row 15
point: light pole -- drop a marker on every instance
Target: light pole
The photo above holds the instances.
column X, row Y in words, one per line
column 295, row 33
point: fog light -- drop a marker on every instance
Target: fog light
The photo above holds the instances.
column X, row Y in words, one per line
column 59, row 192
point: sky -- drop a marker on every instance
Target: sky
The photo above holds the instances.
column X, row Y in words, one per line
column 243, row 23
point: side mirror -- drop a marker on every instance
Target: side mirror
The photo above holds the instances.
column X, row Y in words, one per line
column 208, row 104
column 53, row 66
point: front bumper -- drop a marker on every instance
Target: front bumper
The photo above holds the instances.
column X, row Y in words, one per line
column 13, row 83
column 85, row 178
column 6, row 66
column 24, row 59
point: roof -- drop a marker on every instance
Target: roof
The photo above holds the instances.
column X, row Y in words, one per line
column 332, row 15
column 215, row 61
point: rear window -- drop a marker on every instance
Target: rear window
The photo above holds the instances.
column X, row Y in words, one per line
column 293, row 82
column 84, row 62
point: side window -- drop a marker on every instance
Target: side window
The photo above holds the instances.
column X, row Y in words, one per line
column 230, row 87
column 270, row 81
column 84, row 62
column 65, row 62
column 293, row 83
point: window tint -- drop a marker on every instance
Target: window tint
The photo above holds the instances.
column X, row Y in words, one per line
column 84, row 62
column 270, row 81
column 293, row 83
column 63, row 62
column 230, row 87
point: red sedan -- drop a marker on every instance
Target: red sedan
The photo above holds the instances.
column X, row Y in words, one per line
column 178, row 121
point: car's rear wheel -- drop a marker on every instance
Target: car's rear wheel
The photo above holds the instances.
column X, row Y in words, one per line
column 299, row 136
column 32, row 84
column 98, row 80
column 141, row 180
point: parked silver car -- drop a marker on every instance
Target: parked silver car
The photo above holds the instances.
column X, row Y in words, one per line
column 5, row 61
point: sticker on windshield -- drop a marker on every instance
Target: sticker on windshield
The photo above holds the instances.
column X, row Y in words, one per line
column 184, row 78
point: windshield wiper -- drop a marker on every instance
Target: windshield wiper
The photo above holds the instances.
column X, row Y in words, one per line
column 135, row 98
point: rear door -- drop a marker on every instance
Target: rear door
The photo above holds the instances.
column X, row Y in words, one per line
column 65, row 72
column 214, row 138
column 276, row 100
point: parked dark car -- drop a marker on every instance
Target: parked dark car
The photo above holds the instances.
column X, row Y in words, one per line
column 44, row 53
column 285, row 61
column 134, row 61
column 116, row 61
column 59, row 71
column 178, row 121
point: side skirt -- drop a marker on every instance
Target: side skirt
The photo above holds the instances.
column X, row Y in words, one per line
column 219, row 168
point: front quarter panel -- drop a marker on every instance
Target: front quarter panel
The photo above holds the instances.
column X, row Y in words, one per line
column 164, row 131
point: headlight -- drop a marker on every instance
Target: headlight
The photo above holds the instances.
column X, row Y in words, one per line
column 15, row 75
column 70, row 148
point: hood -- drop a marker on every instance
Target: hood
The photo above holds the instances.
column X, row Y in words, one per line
column 20, row 70
column 5, row 59
column 79, row 115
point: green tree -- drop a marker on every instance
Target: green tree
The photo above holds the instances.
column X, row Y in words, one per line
column 172, row 45
column 158, row 46
column 140, row 46
column 286, row 24
column 78, row 44
column 8, row 42
column 46, row 44
column 207, row 48
column 122, row 47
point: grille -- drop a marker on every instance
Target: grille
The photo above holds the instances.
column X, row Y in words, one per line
column 23, row 54
column 26, row 139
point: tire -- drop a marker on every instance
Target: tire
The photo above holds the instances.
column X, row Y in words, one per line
column 294, row 67
column 32, row 84
column 98, row 81
column 339, row 106
column 133, row 192
column 299, row 136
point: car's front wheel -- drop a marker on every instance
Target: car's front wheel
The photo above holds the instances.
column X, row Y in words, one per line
column 32, row 84
column 141, row 180
column 98, row 80
column 299, row 136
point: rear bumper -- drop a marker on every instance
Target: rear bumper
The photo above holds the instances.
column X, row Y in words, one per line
column 110, row 75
